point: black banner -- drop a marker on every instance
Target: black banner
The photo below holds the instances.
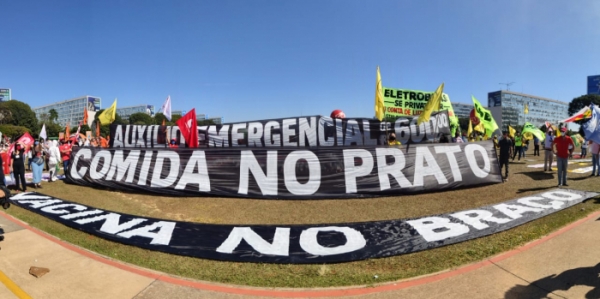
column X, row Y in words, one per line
column 309, row 131
column 310, row 173
column 301, row 244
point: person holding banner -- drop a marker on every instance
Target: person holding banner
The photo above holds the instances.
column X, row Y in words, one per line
column 392, row 139
column 560, row 147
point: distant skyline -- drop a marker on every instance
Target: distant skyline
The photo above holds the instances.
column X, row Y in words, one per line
column 245, row 60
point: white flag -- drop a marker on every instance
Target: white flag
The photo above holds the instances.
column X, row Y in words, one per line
column 166, row 108
column 43, row 133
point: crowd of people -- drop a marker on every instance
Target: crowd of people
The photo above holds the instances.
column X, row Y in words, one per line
column 17, row 158
column 562, row 147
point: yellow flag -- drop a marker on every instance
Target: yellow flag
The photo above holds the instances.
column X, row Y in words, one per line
column 479, row 128
column 379, row 107
column 108, row 116
column 556, row 131
column 526, row 110
column 470, row 129
column 511, row 131
column 432, row 105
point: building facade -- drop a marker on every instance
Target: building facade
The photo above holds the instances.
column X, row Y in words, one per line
column 462, row 110
column 69, row 111
column 217, row 119
column 125, row 112
column 508, row 108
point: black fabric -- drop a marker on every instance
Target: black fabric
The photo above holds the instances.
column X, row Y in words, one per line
column 301, row 244
column 301, row 132
column 289, row 173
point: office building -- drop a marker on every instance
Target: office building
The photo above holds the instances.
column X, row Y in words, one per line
column 69, row 111
column 216, row 120
column 508, row 108
column 125, row 112
column 462, row 110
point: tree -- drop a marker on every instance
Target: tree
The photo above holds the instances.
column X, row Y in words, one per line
column 53, row 115
column 582, row 101
column 22, row 114
column 13, row 131
column 52, row 129
column 5, row 116
column 141, row 118
column 105, row 129
column 159, row 117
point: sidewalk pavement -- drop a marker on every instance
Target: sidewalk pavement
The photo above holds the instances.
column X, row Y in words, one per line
column 565, row 264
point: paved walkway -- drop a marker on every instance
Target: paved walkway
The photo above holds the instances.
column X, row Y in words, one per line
column 565, row 264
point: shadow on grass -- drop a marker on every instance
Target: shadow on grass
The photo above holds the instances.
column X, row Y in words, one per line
column 538, row 175
column 534, row 189
column 541, row 288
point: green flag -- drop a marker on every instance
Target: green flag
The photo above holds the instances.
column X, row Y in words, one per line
column 485, row 117
column 529, row 128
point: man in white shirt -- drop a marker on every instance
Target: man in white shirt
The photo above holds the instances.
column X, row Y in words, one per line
column 548, row 155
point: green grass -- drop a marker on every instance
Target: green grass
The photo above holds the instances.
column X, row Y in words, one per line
column 523, row 181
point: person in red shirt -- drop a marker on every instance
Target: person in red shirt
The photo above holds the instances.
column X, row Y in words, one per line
column 65, row 153
column 560, row 147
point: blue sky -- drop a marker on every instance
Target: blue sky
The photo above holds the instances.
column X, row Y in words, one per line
column 247, row 60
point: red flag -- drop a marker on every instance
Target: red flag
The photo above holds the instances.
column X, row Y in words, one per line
column 26, row 140
column 189, row 128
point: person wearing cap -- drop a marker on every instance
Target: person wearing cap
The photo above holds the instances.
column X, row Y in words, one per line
column 392, row 139
column 548, row 155
column 560, row 147
column 173, row 143
column 506, row 148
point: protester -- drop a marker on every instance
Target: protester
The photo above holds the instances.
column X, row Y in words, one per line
column 595, row 148
column 29, row 160
column 53, row 160
column 518, row 146
column 173, row 143
column 584, row 146
column 505, row 145
column 458, row 138
column 18, row 166
column 392, row 140
column 548, row 156
column 37, row 164
column 65, row 151
column 560, row 147
column 536, row 146
column 46, row 147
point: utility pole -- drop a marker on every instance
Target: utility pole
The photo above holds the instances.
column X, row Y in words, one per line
column 507, row 84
